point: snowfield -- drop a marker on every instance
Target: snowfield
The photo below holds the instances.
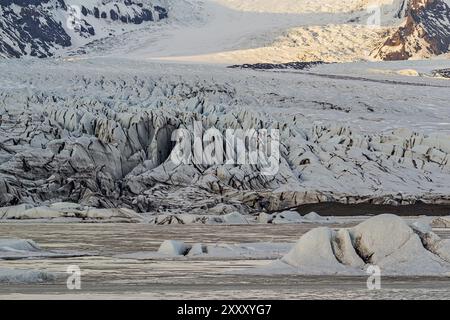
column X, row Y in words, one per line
column 21, row 249
column 386, row 241
column 53, row 27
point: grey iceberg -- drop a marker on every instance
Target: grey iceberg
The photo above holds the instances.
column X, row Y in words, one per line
column 14, row 276
column 386, row 241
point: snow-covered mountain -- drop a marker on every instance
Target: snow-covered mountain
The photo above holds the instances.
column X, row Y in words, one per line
column 425, row 31
column 41, row 27
column 227, row 31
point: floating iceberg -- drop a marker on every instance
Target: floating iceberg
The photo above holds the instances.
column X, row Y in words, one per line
column 15, row 249
column 386, row 241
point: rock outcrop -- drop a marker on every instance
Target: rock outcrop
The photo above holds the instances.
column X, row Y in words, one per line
column 41, row 28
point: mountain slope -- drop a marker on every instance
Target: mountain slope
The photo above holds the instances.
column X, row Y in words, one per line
column 40, row 28
column 425, row 32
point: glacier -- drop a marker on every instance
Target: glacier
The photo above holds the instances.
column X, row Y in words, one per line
column 97, row 132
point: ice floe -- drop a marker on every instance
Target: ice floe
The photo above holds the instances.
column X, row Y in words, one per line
column 386, row 241
column 287, row 217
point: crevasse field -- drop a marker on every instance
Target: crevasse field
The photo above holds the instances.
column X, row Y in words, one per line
column 363, row 177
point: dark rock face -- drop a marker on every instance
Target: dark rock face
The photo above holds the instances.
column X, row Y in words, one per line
column 426, row 32
column 278, row 66
column 36, row 28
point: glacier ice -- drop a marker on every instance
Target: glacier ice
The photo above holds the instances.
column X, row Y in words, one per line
column 386, row 241
column 102, row 138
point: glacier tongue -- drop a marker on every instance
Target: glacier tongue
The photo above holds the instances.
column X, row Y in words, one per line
column 84, row 132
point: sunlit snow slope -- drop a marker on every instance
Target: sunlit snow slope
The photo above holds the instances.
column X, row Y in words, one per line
column 237, row 31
